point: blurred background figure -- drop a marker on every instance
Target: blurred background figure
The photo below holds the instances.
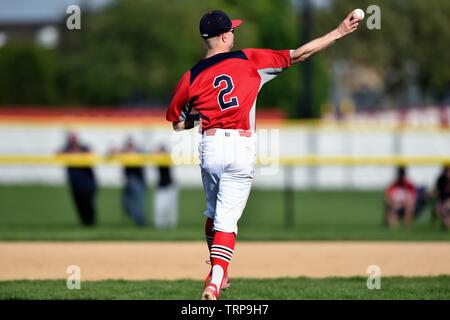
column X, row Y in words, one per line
column 165, row 202
column 82, row 181
column 135, row 188
column 442, row 194
column 400, row 200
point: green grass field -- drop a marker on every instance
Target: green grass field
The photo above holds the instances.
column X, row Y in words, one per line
column 273, row 289
column 46, row 213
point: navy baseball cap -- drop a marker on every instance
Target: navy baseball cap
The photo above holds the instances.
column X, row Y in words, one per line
column 216, row 22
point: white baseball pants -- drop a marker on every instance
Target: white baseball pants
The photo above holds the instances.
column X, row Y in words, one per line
column 227, row 159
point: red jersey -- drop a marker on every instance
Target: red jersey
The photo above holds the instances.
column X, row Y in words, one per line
column 223, row 88
column 400, row 189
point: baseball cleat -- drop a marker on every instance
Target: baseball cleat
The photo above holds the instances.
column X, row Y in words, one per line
column 210, row 292
column 226, row 282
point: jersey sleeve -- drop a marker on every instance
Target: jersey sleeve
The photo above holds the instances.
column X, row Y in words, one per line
column 179, row 107
column 269, row 63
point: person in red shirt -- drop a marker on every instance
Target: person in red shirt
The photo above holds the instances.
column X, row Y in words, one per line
column 400, row 199
column 222, row 89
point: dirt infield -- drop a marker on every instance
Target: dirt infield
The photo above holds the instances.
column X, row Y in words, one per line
column 185, row 260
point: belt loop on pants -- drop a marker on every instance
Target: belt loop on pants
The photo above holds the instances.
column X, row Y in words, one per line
column 245, row 133
column 242, row 133
column 210, row 132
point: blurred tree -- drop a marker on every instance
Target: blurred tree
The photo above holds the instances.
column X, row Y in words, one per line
column 27, row 75
column 414, row 35
column 134, row 51
column 320, row 86
column 137, row 50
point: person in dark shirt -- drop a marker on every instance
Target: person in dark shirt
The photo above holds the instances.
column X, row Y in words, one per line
column 135, row 188
column 400, row 199
column 82, row 182
column 165, row 176
column 442, row 193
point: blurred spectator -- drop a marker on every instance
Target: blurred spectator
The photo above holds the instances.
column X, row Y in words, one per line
column 82, row 182
column 442, row 193
column 165, row 203
column 135, row 188
column 400, row 200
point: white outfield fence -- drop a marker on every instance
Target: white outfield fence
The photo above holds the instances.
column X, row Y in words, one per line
column 306, row 155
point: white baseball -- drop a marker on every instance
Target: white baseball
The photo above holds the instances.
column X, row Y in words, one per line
column 358, row 14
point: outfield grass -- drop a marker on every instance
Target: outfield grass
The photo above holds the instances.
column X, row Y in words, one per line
column 273, row 289
column 46, row 213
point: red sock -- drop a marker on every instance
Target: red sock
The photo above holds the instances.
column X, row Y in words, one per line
column 221, row 253
column 209, row 232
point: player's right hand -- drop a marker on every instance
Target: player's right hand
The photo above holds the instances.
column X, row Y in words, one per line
column 347, row 26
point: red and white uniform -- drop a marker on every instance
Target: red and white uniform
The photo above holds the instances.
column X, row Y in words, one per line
column 223, row 89
column 401, row 191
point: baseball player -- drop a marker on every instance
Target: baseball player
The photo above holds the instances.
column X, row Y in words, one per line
column 223, row 88
column 400, row 200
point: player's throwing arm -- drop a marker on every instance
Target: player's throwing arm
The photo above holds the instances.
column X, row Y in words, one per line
column 346, row 27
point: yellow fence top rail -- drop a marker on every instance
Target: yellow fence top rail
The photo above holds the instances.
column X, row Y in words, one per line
column 83, row 160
